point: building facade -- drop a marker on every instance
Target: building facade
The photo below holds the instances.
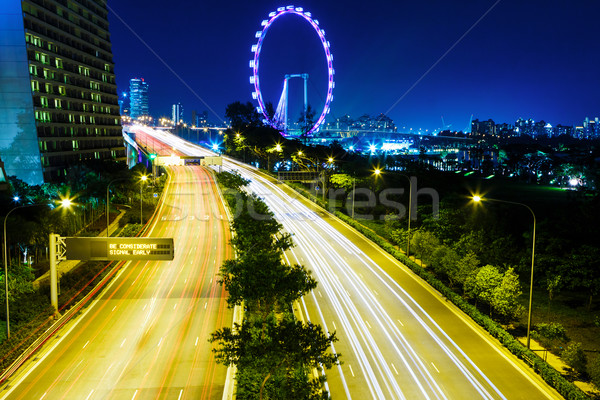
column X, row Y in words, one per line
column 59, row 104
column 177, row 113
column 138, row 98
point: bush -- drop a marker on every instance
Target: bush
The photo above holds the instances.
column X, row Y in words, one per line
column 594, row 371
column 575, row 358
column 552, row 330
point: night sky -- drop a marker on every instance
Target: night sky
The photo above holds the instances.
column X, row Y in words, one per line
column 531, row 59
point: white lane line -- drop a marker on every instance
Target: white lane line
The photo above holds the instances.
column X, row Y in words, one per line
column 435, row 368
column 375, row 292
column 395, row 370
column 123, row 342
column 334, row 327
column 135, row 394
column 159, row 342
column 86, row 343
column 196, row 344
column 351, row 371
column 400, row 322
column 367, row 322
column 180, row 394
column 175, row 306
column 144, row 307
column 89, row 395
column 114, row 308
column 44, row 395
column 320, row 293
column 205, row 304
column 185, row 280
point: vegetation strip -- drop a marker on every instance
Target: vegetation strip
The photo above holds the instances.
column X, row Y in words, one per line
column 274, row 353
column 547, row 372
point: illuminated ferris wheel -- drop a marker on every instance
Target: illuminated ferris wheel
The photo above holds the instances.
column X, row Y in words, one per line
column 279, row 119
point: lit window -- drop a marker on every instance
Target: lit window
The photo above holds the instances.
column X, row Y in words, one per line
column 35, row 86
column 44, row 102
column 57, row 103
column 107, row 67
column 33, row 70
column 59, row 63
column 49, row 88
column 62, row 90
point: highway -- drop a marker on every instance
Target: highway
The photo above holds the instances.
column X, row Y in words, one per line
column 145, row 336
column 399, row 339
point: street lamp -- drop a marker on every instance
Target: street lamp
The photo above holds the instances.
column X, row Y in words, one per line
column 409, row 213
column 108, row 203
column 478, row 199
column 65, row 203
column 142, row 180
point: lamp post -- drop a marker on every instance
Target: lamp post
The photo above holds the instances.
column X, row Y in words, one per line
column 409, row 213
column 478, row 199
column 64, row 203
column 108, row 203
column 142, row 180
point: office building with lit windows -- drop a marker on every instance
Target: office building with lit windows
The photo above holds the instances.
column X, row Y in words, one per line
column 138, row 98
column 58, row 97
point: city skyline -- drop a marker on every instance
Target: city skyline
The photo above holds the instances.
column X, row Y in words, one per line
column 530, row 60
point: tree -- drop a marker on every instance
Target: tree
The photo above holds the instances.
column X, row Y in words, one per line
column 242, row 116
column 575, row 358
column 504, row 296
column 275, row 349
column 306, row 121
column 424, row 244
column 481, row 284
column 262, row 280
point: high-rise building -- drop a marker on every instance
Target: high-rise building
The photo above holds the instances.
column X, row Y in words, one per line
column 177, row 111
column 59, row 103
column 138, row 98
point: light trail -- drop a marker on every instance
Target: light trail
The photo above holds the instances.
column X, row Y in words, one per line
column 411, row 334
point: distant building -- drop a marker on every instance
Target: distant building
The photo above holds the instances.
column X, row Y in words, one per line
column 58, row 103
column 483, row 128
column 199, row 119
column 177, row 113
column 138, row 98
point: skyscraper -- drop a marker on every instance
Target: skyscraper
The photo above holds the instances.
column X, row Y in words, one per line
column 177, row 111
column 59, row 98
column 138, row 98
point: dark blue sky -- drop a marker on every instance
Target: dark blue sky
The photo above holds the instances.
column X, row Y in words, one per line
column 532, row 59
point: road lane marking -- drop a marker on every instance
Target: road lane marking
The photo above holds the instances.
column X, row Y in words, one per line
column 205, row 304
column 367, row 322
column 320, row 293
column 351, row 371
column 89, row 395
column 196, row 344
column 375, row 292
column 44, row 395
column 395, row 370
column 114, row 308
column 180, row 394
column 144, row 307
column 135, row 394
column 334, row 327
column 123, row 342
column 86, row 343
column 159, row 342
column 185, row 280
column 400, row 322
column 435, row 368
column 175, row 306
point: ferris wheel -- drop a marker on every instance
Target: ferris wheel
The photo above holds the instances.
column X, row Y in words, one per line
column 279, row 120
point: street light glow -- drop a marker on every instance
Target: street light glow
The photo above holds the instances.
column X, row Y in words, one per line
column 377, row 171
column 278, row 147
column 66, row 203
column 476, row 199
column 144, row 177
